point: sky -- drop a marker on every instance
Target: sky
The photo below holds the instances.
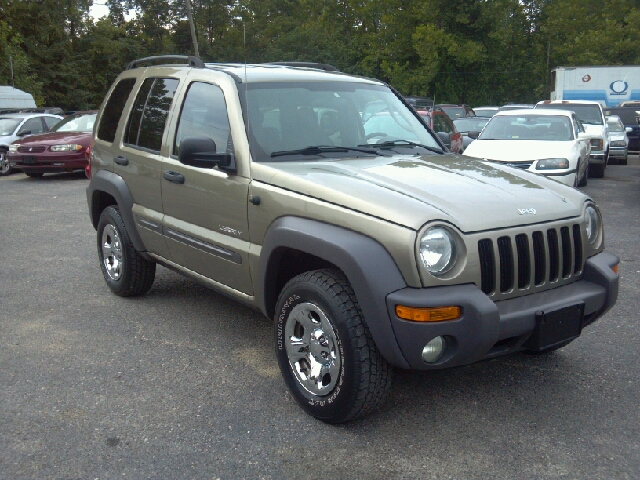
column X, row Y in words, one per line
column 100, row 9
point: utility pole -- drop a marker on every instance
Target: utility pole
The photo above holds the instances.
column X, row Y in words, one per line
column 194, row 39
column 11, row 66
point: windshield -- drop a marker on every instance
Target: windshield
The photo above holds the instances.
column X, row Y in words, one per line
column 486, row 112
column 76, row 123
column 454, row 112
column 470, row 124
column 8, row 125
column 615, row 126
column 528, row 127
column 289, row 120
column 586, row 113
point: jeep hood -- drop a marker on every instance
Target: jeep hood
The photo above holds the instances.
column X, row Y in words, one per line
column 472, row 194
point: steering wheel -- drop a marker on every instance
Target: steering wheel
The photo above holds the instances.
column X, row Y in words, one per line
column 375, row 134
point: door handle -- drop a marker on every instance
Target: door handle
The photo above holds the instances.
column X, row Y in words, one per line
column 173, row 177
column 120, row 160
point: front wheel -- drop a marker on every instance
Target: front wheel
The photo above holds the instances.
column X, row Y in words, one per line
column 126, row 272
column 326, row 354
column 5, row 166
column 596, row 170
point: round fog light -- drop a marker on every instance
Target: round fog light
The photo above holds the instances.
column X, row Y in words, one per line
column 432, row 352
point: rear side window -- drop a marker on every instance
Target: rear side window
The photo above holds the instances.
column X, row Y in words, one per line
column 149, row 113
column 113, row 109
column 51, row 121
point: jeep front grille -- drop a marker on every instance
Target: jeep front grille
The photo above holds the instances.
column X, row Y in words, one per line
column 519, row 262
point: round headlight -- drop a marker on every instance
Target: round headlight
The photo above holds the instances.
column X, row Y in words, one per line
column 592, row 224
column 437, row 250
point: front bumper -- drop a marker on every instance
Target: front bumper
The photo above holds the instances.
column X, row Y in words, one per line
column 618, row 152
column 489, row 329
column 49, row 162
column 597, row 157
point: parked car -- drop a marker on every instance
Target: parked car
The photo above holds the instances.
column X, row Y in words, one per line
column 420, row 103
column 366, row 243
column 487, row 112
column 444, row 127
column 470, row 125
column 630, row 117
column 630, row 103
column 552, row 143
column 515, row 106
column 63, row 149
column 457, row 111
column 618, row 140
column 14, row 126
column 592, row 118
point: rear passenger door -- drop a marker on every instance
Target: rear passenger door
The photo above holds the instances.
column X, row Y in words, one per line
column 139, row 160
column 205, row 209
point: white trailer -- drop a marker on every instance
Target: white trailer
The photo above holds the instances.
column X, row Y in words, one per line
column 13, row 98
column 607, row 85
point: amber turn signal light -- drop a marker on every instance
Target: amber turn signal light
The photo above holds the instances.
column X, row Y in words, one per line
column 615, row 268
column 439, row 314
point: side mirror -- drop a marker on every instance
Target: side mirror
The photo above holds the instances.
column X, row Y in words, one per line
column 628, row 129
column 201, row 152
column 446, row 138
column 22, row 133
column 473, row 135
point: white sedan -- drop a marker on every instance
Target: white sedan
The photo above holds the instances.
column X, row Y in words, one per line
column 552, row 143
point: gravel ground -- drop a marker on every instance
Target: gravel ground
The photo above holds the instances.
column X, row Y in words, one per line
column 183, row 382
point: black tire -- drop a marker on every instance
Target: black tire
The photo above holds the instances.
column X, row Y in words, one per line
column 126, row 272
column 596, row 170
column 584, row 180
column 34, row 174
column 325, row 300
column 623, row 161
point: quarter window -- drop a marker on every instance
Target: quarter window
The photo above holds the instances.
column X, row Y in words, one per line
column 149, row 114
column 204, row 114
column 113, row 109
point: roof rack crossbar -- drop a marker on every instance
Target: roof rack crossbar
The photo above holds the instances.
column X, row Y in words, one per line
column 319, row 66
column 189, row 59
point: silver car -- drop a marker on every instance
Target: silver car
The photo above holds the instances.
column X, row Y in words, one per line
column 14, row 126
column 618, row 140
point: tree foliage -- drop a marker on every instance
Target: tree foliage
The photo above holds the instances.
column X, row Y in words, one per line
column 471, row 51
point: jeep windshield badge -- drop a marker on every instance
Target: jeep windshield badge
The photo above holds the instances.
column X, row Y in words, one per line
column 527, row 211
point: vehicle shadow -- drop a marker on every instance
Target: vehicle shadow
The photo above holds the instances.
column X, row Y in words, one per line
column 48, row 177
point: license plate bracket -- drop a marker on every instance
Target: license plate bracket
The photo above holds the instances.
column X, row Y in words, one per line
column 556, row 327
column 29, row 159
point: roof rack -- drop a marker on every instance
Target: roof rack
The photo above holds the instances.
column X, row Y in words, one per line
column 318, row 66
column 190, row 60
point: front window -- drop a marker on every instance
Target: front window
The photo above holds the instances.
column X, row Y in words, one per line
column 615, row 126
column 470, row 124
column 9, row 125
column 528, row 127
column 340, row 117
column 76, row 123
column 590, row 114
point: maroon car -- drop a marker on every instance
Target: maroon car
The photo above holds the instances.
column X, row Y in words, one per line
column 61, row 150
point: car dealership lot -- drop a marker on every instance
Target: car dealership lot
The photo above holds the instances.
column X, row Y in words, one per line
column 183, row 383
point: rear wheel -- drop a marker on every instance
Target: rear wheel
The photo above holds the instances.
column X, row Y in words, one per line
column 126, row 272
column 326, row 354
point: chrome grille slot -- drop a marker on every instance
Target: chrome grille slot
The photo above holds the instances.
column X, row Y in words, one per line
column 554, row 254
column 539, row 258
column 577, row 249
column 524, row 262
column 506, row 264
column 487, row 265
column 567, row 254
column 38, row 149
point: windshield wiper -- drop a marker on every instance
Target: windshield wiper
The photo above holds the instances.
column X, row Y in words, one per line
column 318, row 149
column 388, row 144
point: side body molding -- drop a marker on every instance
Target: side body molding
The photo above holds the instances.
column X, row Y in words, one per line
column 114, row 185
column 372, row 272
